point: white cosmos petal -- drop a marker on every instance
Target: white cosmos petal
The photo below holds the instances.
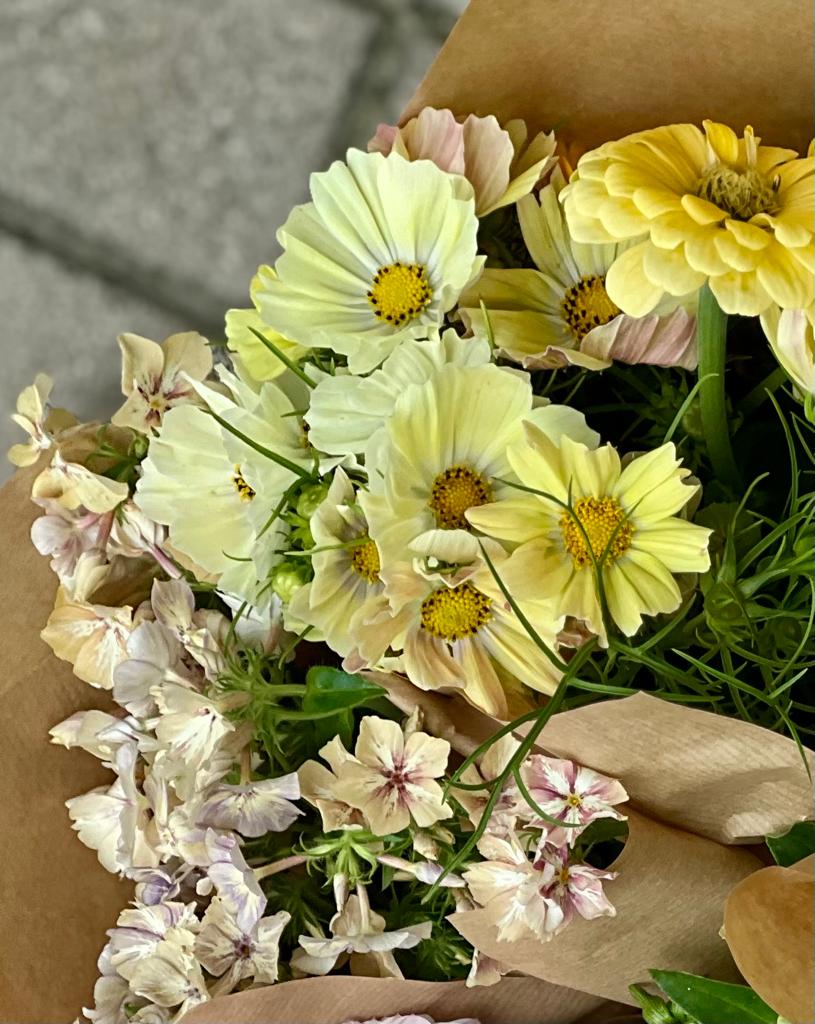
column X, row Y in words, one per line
column 346, row 410
column 368, row 213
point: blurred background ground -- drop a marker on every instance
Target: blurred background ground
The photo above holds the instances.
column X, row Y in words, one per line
column 150, row 149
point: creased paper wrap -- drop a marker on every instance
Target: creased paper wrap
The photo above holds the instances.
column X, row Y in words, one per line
column 598, row 69
column 768, row 925
column 698, row 783
column 716, row 776
column 56, row 900
column 335, row 1000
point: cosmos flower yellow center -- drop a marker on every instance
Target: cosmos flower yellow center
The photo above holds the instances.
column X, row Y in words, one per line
column 601, row 520
column 586, row 305
column 241, row 486
column 453, row 492
column 574, row 800
column 456, row 612
column 400, row 292
column 741, row 194
column 365, row 561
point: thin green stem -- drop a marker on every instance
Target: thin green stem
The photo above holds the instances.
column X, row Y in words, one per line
column 712, row 335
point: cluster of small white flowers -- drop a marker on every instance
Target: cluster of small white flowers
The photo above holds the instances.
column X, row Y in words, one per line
column 170, row 822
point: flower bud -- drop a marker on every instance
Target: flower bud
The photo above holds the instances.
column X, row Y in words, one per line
column 310, row 499
column 287, row 578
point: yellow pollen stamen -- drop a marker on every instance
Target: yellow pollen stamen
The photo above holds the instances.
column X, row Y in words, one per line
column 601, row 518
column 574, row 800
column 455, row 613
column 564, row 876
column 400, row 292
column 586, row 305
column 453, row 492
column 741, row 194
column 365, row 561
column 241, row 486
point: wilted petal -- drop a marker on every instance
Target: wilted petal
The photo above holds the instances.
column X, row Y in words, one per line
column 234, row 880
column 253, row 809
column 170, row 977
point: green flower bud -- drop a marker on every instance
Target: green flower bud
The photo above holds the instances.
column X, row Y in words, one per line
column 722, row 607
column 310, row 499
column 287, row 578
column 654, row 1009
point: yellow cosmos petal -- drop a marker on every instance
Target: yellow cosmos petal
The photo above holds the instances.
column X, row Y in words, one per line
column 537, row 570
column 538, row 462
column 681, row 546
column 516, row 519
column 628, row 285
column 651, row 486
column 592, row 473
column 637, row 585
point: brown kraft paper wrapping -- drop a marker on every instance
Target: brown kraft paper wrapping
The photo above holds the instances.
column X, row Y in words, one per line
column 599, row 69
column 768, row 925
column 335, row 1000
column 718, row 777
column 669, row 896
column 56, row 900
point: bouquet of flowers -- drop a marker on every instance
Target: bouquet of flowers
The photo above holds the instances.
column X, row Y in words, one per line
column 451, row 618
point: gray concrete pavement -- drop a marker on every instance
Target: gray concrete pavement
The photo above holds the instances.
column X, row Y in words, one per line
column 149, row 150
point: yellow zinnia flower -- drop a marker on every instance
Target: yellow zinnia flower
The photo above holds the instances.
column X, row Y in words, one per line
column 709, row 206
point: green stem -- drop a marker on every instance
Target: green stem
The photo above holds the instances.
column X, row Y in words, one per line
column 712, row 335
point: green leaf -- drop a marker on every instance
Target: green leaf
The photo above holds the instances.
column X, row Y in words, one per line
column 714, row 1002
column 793, row 845
column 329, row 689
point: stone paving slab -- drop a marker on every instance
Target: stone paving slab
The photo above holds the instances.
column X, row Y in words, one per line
column 64, row 323
column 149, row 150
column 178, row 134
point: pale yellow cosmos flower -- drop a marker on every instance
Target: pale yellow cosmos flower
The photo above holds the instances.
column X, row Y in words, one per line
column 629, row 514
column 257, row 360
